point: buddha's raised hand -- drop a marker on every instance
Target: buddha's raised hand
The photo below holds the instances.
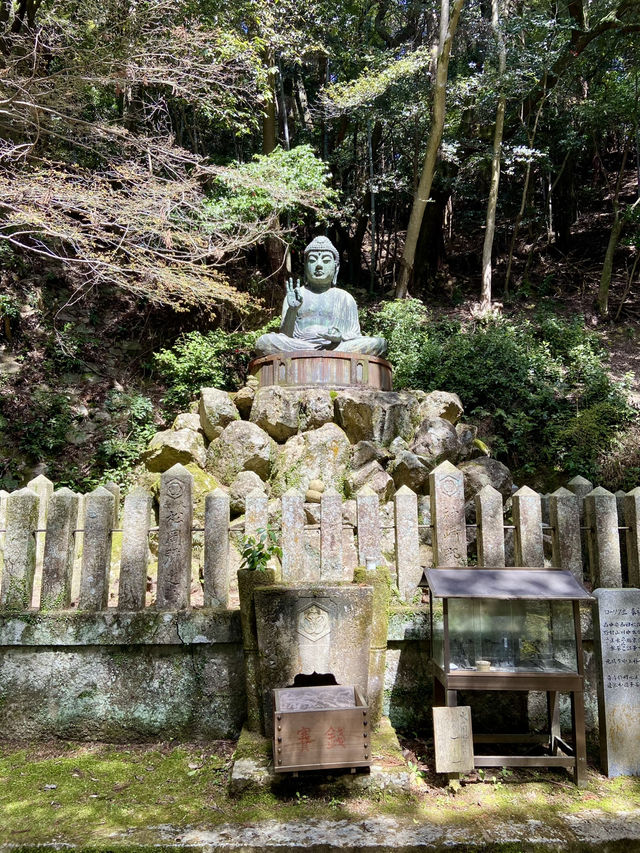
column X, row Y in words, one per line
column 294, row 294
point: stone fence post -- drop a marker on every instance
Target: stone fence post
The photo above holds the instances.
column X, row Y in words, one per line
column 566, row 542
column 446, row 489
column 490, row 521
column 217, row 514
column 407, row 542
column 132, row 586
column 19, row 550
column 331, row 559
column 368, row 521
column 175, row 538
column 43, row 487
column 294, row 568
column 57, row 567
column 96, row 551
column 601, row 518
column 527, row 518
column 632, row 523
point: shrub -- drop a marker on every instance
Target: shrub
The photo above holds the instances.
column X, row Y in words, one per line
column 217, row 359
column 541, row 388
column 127, row 435
column 403, row 323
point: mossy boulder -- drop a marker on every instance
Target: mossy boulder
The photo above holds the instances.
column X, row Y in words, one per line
column 320, row 454
column 441, row 404
column 170, row 447
column 245, row 482
column 436, row 439
column 216, row 410
column 485, row 472
column 373, row 475
column 378, row 416
column 276, row 411
column 283, row 412
column 188, row 420
column 408, row 470
column 242, row 446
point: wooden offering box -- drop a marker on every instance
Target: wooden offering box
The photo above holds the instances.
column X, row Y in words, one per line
column 318, row 728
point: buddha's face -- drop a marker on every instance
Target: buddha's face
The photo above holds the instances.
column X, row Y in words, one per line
column 320, row 269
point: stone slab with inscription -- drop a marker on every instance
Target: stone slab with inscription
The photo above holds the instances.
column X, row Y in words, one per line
column 453, row 739
column 308, row 629
column 617, row 635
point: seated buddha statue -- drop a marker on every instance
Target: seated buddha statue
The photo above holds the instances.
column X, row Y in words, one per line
column 318, row 315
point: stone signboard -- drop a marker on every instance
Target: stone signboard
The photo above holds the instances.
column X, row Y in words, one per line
column 617, row 633
column 453, row 739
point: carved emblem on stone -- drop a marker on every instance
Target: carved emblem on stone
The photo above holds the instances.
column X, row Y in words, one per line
column 449, row 485
column 175, row 488
column 313, row 623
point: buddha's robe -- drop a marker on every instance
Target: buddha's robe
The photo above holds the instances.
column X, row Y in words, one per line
column 332, row 308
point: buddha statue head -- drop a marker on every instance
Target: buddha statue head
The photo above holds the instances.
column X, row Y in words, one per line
column 321, row 263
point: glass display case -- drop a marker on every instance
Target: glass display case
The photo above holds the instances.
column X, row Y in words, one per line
column 489, row 635
column 511, row 629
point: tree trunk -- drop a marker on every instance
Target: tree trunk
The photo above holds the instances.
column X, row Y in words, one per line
column 564, row 204
column 302, row 101
column 523, row 202
column 431, row 251
column 423, row 192
column 490, row 229
column 269, row 118
column 607, row 266
column 619, row 219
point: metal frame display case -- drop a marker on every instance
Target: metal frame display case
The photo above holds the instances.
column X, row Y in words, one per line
column 512, row 629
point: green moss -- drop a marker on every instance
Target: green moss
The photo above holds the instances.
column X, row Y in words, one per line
column 284, row 479
column 105, row 797
column 52, row 603
column 253, row 746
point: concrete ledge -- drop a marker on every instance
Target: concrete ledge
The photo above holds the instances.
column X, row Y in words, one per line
column 118, row 628
column 612, row 834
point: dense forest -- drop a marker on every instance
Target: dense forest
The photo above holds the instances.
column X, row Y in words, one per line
column 164, row 162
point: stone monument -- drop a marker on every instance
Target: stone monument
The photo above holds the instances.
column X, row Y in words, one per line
column 617, row 635
column 320, row 341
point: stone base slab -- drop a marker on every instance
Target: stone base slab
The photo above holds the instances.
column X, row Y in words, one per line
column 253, row 768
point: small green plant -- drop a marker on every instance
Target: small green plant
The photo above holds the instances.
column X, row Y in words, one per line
column 415, row 771
column 9, row 310
column 256, row 551
column 127, row 434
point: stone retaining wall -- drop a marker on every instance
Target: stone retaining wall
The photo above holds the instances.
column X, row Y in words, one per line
column 122, row 677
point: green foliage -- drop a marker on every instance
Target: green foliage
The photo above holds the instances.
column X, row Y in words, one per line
column 45, row 424
column 403, row 323
column 542, row 390
column 586, row 435
column 283, row 182
column 9, row 307
column 127, row 435
column 215, row 359
column 256, row 551
column 373, row 83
